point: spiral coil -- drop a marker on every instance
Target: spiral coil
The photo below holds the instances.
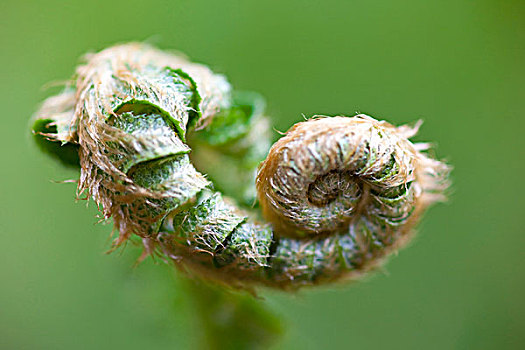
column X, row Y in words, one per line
column 338, row 193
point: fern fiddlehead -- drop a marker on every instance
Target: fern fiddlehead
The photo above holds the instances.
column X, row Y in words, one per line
column 337, row 193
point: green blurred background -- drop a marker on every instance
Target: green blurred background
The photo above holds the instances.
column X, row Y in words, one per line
column 457, row 64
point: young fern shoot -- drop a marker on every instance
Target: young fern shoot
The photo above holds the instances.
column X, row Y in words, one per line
column 337, row 194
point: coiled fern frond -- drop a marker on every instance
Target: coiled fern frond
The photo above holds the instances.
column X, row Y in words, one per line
column 337, row 194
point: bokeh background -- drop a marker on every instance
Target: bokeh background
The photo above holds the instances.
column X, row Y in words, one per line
column 457, row 64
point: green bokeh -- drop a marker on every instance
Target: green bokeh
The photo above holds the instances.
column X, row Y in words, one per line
column 457, row 64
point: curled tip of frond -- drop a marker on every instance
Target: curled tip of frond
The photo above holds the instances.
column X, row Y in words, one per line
column 345, row 159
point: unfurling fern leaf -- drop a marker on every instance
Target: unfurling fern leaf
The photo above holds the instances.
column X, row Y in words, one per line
column 337, row 194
